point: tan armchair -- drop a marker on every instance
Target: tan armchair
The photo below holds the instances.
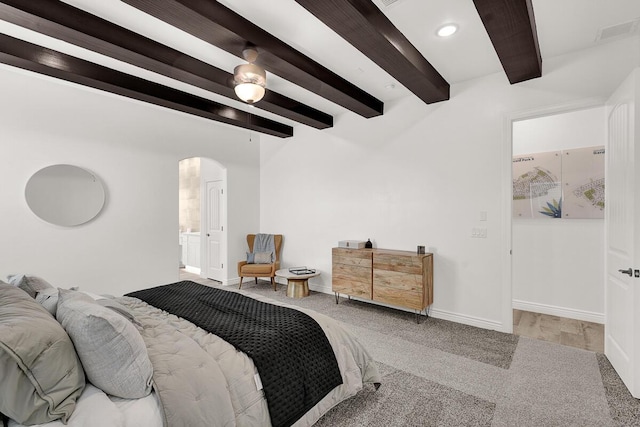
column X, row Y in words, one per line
column 261, row 270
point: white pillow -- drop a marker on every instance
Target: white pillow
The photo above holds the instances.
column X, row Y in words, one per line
column 48, row 298
column 110, row 347
column 93, row 408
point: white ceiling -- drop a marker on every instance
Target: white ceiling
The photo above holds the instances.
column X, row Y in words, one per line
column 563, row 26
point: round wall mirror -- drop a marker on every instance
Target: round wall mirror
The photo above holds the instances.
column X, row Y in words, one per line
column 65, row 195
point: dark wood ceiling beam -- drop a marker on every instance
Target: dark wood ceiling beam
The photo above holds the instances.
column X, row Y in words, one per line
column 511, row 26
column 216, row 24
column 62, row 21
column 52, row 63
column 361, row 23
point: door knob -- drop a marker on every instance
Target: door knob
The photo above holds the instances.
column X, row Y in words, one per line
column 628, row 271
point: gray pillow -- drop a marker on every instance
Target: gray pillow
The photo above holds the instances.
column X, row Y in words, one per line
column 30, row 284
column 41, row 376
column 259, row 257
column 263, row 257
column 48, row 298
column 110, row 347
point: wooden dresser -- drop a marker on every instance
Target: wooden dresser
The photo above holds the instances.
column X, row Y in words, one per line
column 399, row 278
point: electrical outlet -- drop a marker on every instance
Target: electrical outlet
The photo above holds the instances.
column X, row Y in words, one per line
column 479, row 233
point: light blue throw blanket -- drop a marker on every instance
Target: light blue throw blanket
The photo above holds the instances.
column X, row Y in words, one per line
column 265, row 243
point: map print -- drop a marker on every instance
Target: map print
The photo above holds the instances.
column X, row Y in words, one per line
column 537, row 192
column 583, row 182
column 559, row 184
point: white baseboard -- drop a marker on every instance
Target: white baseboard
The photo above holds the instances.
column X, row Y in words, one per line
column 478, row 322
column 229, row 282
column 325, row 289
column 190, row 269
column 438, row 314
column 552, row 310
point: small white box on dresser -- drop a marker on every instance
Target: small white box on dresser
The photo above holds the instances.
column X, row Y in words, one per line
column 351, row 244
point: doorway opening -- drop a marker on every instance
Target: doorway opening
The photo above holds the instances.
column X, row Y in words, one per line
column 557, row 261
column 202, row 218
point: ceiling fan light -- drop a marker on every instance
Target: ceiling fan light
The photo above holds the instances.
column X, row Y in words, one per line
column 250, row 81
column 249, row 92
column 249, row 73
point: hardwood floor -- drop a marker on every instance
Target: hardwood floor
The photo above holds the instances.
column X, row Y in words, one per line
column 571, row 332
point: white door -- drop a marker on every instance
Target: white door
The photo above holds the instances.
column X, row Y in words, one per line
column 622, row 225
column 215, row 234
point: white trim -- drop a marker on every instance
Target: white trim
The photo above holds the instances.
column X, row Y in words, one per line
column 231, row 281
column 325, row 289
column 582, row 104
column 552, row 310
column 506, row 312
column 467, row 320
column 190, row 269
column 507, row 183
column 437, row 314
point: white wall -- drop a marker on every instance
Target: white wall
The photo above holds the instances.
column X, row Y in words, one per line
column 558, row 265
column 134, row 148
column 421, row 174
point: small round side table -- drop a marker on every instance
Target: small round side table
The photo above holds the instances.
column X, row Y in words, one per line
column 297, row 284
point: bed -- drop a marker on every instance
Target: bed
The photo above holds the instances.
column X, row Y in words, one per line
column 181, row 374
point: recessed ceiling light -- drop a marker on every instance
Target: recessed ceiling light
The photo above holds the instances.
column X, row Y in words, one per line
column 447, row 30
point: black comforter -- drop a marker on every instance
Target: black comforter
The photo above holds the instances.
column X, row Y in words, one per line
column 296, row 363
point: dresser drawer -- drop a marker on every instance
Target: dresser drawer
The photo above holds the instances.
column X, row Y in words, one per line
column 354, row 257
column 398, row 288
column 352, row 288
column 399, row 263
column 408, row 299
column 351, row 279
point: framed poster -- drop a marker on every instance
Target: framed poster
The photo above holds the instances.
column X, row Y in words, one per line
column 537, row 192
column 583, row 182
column 559, row 184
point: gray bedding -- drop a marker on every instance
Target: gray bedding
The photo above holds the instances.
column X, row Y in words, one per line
column 203, row 380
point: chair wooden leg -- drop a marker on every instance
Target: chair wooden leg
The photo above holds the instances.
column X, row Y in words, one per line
column 240, row 285
column 275, row 285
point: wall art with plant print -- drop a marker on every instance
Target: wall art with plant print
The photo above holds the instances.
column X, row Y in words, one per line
column 565, row 184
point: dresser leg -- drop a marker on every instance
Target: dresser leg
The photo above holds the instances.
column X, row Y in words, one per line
column 337, row 296
column 419, row 314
